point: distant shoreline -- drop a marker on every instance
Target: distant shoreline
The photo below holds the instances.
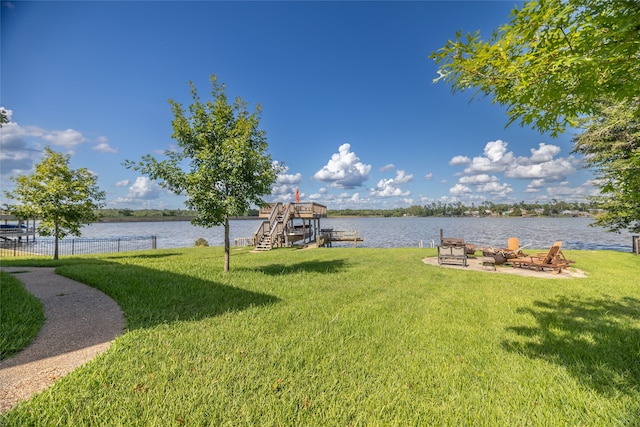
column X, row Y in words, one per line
column 236, row 218
column 162, row 219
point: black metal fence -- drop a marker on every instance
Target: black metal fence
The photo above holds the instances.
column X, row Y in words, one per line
column 76, row 246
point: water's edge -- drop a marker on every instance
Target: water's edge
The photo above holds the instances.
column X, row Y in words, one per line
column 575, row 233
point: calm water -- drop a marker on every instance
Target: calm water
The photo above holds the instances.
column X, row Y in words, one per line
column 575, row 233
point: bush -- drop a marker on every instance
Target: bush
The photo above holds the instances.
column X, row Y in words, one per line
column 201, row 242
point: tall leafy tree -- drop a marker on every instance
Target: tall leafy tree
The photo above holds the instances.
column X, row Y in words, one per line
column 221, row 164
column 556, row 62
column 611, row 145
column 62, row 199
column 552, row 61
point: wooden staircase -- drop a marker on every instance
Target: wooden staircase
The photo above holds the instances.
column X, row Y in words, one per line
column 271, row 231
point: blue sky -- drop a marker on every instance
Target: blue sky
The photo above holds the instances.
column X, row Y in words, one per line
column 345, row 87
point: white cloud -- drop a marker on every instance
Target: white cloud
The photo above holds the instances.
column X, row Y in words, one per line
column 388, row 167
column 103, row 145
column 142, row 189
column 285, row 178
column 428, row 177
column 22, row 146
column 459, row 189
column 459, row 160
column 542, row 164
column 344, row 169
column 496, row 152
column 535, row 186
column 390, row 187
column 553, row 170
column 65, row 138
column 477, row 179
column 123, row 183
column 284, row 188
column 495, row 189
column 544, row 153
column 17, row 155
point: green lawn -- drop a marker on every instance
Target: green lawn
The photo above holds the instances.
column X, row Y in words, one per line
column 21, row 316
column 343, row 336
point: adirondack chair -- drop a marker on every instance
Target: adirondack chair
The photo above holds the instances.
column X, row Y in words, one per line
column 514, row 249
column 553, row 260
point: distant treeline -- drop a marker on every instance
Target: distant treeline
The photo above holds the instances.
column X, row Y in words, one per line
column 555, row 208
column 130, row 215
column 485, row 209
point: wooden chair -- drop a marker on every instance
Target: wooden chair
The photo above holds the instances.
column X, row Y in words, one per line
column 514, row 250
column 553, row 259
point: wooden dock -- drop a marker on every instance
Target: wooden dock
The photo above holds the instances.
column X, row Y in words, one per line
column 329, row 235
column 16, row 229
column 279, row 227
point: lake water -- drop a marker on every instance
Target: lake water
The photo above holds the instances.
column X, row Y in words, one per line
column 575, row 233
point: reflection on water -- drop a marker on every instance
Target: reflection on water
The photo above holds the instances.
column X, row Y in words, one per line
column 575, row 233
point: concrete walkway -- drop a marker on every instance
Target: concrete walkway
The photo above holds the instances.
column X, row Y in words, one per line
column 81, row 322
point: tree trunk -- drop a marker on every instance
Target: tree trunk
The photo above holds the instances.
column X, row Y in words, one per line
column 55, row 239
column 227, row 250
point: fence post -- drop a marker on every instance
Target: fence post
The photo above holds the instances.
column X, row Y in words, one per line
column 15, row 248
column 636, row 245
column 73, row 246
column 154, row 242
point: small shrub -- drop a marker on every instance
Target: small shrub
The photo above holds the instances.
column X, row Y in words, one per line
column 201, row 242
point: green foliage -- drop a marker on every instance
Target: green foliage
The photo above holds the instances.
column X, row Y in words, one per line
column 226, row 153
column 611, row 145
column 201, row 242
column 21, row 316
column 61, row 198
column 554, row 208
column 552, row 61
column 3, row 117
column 343, row 337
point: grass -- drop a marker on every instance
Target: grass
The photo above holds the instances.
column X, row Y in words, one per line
column 352, row 337
column 21, row 316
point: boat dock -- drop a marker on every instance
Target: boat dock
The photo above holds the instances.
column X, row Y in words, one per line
column 15, row 229
column 296, row 223
column 329, row 235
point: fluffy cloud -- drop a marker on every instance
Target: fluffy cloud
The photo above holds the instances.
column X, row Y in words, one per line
column 477, row 179
column 390, row 187
column 284, row 188
column 21, row 146
column 460, row 189
column 65, row 138
column 544, row 153
column 142, row 189
column 541, row 167
column 103, row 146
column 459, row 160
column 388, row 167
column 123, row 183
column 344, row 170
column 428, row 177
column 16, row 154
column 552, row 170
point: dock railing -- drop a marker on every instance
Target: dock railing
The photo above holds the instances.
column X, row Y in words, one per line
column 300, row 210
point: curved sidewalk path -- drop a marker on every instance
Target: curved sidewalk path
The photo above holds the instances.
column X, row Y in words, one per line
column 81, row 322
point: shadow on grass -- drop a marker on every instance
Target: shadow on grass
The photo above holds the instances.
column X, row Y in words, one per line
column 331, row 266
column 149, row 297
column 596, row 340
